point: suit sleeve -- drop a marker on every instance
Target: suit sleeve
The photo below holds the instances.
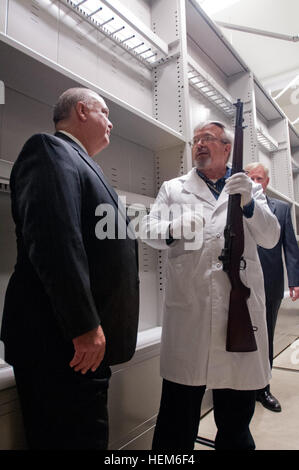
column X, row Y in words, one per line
column 291, row 250
column 48, row 208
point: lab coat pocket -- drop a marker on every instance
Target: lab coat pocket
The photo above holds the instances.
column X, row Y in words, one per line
column 179, row 281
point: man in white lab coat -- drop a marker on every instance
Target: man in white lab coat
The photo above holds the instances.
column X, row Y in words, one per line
column 193, row 348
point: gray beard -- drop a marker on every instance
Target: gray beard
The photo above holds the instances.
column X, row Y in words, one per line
column 202, row 162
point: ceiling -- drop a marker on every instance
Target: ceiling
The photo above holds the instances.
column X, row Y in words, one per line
column 275, row 62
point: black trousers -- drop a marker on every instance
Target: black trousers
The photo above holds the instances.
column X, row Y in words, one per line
column 272, row 308
column 179, row 416
column 63, row 409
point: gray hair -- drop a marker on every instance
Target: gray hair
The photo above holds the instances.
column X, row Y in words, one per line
column 67, row 101
column 254, row 165
column 227, row 132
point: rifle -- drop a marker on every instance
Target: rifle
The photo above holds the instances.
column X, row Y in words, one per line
column 240, row 332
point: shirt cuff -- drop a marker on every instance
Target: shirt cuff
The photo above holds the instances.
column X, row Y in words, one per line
column 248, row 209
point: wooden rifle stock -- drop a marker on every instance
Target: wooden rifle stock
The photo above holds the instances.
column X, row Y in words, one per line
column 240, row 332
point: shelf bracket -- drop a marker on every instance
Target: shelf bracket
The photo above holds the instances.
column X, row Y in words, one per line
column 202, row 83
column 266, row 141
column 136, row 24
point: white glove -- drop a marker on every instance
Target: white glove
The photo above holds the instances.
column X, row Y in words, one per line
column 240, row 183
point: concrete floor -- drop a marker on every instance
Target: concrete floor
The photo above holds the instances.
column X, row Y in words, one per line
column 274, row 431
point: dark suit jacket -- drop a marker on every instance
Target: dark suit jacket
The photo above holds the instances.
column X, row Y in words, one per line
column 271, row 260
column 66, row 281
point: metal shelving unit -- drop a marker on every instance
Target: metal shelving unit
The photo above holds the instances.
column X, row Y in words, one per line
column 203, row 83
column 266, row 141
column 119, row 25
column 129, row 122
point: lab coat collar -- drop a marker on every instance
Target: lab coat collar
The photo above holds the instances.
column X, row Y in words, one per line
column 195, row 185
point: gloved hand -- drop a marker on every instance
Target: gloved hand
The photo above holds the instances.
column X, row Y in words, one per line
column 188, row 225
column 240, row 183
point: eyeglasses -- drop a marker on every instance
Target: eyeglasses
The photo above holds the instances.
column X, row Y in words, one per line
column 207, row 138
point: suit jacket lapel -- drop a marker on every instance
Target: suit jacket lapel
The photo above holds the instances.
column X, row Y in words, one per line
column 271, row 204
column 94, row 166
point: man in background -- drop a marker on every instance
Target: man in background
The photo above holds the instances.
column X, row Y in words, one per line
column 272, row 265
column 71, row 306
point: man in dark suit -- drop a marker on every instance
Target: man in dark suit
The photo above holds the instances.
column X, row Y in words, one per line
column 272, row 265
column 71, row 306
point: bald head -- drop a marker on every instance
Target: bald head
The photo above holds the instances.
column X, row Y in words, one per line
column 67, row 101
column 84, row 114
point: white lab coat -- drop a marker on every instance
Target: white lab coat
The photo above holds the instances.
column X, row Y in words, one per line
column 197, row 291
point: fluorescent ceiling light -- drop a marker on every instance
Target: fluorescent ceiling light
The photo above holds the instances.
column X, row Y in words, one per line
column 214, row 6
